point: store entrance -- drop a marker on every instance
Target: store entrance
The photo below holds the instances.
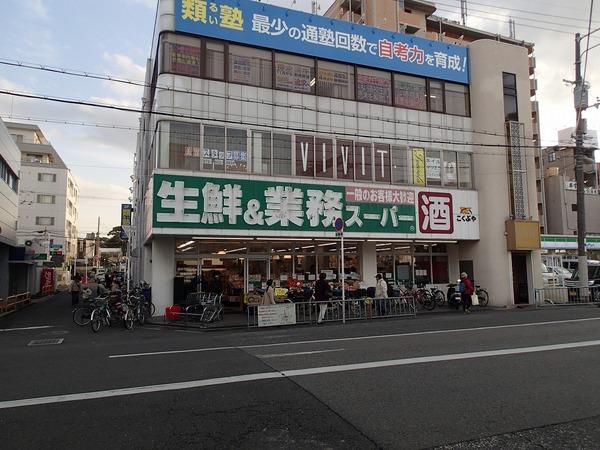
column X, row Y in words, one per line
column 520, row 282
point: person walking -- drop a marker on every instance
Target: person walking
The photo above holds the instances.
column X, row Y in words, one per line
column 322, row 295
column 381, row 294
column 75, row 288
column 269, row 295
column 466, row 292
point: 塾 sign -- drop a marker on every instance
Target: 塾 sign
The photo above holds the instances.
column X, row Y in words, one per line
column 263, row 25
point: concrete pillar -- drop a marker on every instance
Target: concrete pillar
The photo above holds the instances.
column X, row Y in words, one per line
column 146, row 269
column 454, row 263
column 163, row 272
column 368, row 262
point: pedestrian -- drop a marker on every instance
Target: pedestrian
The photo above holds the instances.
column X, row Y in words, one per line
column 466, row 292
column 381, row 294
column 269, row 295
column 75, row 288
column 322, row 295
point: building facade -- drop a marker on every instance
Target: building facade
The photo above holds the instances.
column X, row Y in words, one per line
column 268, row 124
column 10, row 167
column 49, row 198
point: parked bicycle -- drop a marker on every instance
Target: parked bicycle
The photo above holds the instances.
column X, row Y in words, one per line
column 105, row 315
column 422, row 296
column 482, row 295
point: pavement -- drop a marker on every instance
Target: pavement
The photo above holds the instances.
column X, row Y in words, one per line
column 493, row 379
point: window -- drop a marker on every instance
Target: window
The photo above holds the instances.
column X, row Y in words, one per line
column 213, row 153
column 335, row 80
column 574, row 207
column 410, row 92
column 182, row 55
column 282, row 154
column 18, row 138
column 47, row 177
column 261, row 152
column 44, row 221
column 215, row 60
column 457, row 99
column 374, row 86
column 449, row 173
column 294, row 73
column 250, row 66
column 552, row 157
column 236, row 157
column 436, row 96
column 46, row 199
column 8, row 175
column 401, row 165
column 185, row 147
column 433, row 168
column 465, row 173
column 509, row 84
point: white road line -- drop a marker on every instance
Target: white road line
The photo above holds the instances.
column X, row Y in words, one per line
column 288, row 374
column 279, row 355
column 357, row 338
column 26, row 328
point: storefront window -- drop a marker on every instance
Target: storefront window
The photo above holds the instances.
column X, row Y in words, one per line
column 181, row 55
column 439, row 265
column 401, row 165
column 215, row 61
column 213, row 154
column 433, row 168
column 449, row 173
column 403, row 261
column 422, row 269
column 465, row 174
column 261, row 152
column 335, row 80
column 282, row 154
column 385, row 262
column 294, row 73
column 410, row 92
column 185, row 147
column 457, row 99
column 250, row 66
column 374, row 86
column 236, row 157
column 436, row 96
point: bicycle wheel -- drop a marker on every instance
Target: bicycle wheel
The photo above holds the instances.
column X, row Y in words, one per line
column 96, row 321
column 483, row 297
column 439, row 298
column 128, row 320
column 141, row 315
column 82, row 316
column 427, row 299
column 150, row 308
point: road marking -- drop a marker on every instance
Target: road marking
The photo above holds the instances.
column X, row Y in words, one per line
column 45, row 342
column 26, row 328
column 279, row 355
column 357, row 338
column 288, row 374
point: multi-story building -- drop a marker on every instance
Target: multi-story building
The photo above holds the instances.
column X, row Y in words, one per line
column 268, row 124
column 10, row 165
column 48, row 197
column 86, row 248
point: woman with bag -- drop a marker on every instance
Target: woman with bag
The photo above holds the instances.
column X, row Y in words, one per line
column 269, row 295
column 466, row 292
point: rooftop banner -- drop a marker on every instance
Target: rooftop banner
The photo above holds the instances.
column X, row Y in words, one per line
column 277, row 28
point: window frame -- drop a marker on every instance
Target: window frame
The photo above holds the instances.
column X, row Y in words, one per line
column 426, row 85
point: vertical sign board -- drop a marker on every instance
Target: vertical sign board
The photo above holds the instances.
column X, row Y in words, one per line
column 126, row 214
column 345, row 160
column 324, row 158
column 418, row 163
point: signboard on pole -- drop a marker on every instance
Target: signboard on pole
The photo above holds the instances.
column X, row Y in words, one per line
column 126, row 214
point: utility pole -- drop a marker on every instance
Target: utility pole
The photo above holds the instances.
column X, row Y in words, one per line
column 97, row 249
column 580, row 95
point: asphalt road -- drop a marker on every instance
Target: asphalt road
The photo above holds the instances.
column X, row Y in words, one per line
column 494, row 379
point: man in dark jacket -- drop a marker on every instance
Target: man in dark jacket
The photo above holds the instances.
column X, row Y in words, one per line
column 466, row 292
column 322, row 294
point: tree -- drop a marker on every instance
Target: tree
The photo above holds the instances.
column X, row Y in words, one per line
column 114, row 240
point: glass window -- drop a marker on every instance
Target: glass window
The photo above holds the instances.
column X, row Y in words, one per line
column 47, row 177
column 236, row 157
column 261, row 152
column 433, row 168
column 509, row 84
column 282, row 154
column 46, row 199
column 410, row 92
column 294, row 73
column 422, row 269
column 374, row 86
column 181, row 55
column 436, row 96
column 185, row 147
column 335, row 80
column 44, row 220
column 213, row 153
column 449, row 173
column 401, row 165
column 215, row 60
column 457, row 99
column 465, row 173
column 250, row 66
column 439, row 266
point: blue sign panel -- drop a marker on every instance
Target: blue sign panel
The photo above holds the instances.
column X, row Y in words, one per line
column 262, row 25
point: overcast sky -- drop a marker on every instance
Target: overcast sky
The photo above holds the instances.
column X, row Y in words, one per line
column 114, row 37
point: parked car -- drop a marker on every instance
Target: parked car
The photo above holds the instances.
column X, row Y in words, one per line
column 593, row 279
column 562, row 274
column 549, row 277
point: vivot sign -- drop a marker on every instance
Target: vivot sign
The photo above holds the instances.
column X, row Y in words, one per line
column 277, row 28
column 250, row 207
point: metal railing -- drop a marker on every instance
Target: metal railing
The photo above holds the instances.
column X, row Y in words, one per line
column 199, row 307
column 567, row 296
column 333, row 311
column 14, row 302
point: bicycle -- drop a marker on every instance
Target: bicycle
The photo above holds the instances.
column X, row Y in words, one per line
column 104, row 315
column 83, row 314
column 482, row 295
column 438, row 296
column 422, row 297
